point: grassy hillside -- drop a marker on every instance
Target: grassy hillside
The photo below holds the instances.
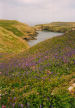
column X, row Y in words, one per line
column 40, row 77
column 56, row 26
column 13, row 35
column 10, row 43
column 18, row 28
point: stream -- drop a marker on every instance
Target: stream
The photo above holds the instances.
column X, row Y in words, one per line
column 43, row 35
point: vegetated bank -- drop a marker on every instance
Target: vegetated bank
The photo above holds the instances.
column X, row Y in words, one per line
column 57, row 26
column 13, row 36
column 19, row 29
column 40, row 77
column 10, row 43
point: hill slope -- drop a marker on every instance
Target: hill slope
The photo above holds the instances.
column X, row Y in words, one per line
column 56, row 26
column 19, row 29
column 10, row 43
column 40, row 77
column 12, row 36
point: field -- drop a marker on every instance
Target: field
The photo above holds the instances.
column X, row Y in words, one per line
column 40, row 77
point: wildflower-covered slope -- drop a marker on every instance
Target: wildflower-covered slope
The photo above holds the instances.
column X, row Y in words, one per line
column 40, row 77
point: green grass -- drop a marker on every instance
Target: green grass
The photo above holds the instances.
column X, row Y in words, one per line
column 12, row 34
column 17, row 28
column 10, row 43
column 41, row 76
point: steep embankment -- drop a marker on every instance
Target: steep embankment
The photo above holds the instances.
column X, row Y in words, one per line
column 12, row 37
column 10, row 43
column 19, row 29
column 56, row 26
column 41, row 76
